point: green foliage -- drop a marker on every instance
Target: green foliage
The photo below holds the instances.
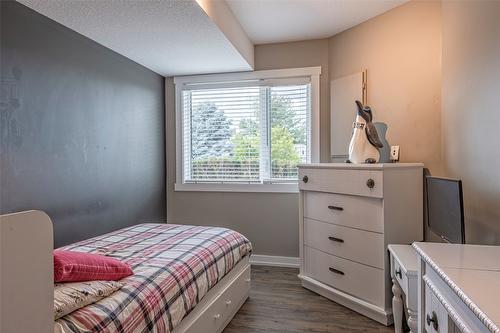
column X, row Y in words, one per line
column 211, row 132
column 282, row 148
column 216, row 169
column 216, row 148
column 283, row 115
column 249, row 127
column 246, row 142
column 246, row 147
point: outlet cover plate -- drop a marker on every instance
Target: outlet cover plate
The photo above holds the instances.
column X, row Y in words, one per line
column 395, row 153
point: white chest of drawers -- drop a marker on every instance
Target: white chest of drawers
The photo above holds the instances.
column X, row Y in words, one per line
column 348, row 215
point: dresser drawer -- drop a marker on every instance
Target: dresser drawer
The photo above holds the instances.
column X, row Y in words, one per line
column 346, row 210
column 353, row 244
column 436, row 316
column 359, row 280
column 398, row 273
column 354, row 182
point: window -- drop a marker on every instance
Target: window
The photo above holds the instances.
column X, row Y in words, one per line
column 243, row 134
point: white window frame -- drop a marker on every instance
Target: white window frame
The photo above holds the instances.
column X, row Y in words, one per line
column 221, row 79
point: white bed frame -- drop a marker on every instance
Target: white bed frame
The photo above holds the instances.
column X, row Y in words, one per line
column 27, row 285
column 220, row 304
column 26, row 273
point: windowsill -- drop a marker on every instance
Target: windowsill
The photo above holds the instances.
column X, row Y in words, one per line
column 255, row 188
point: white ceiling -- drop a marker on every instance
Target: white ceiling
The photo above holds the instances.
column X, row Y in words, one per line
column 272, row 21
column 182, row 37
column 170, row 37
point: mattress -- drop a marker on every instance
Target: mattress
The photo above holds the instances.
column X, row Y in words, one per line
column 174, row 267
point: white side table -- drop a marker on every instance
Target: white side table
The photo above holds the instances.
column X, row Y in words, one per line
column 404, row 275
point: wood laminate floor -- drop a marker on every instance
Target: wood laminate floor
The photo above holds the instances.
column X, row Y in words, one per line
column 278, row 303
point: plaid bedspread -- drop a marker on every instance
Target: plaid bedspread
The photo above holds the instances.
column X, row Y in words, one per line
column 174, row 267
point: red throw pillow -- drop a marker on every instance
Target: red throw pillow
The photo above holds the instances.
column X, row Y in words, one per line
column 71, row 266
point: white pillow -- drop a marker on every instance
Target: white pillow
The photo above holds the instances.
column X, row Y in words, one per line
column 69, row 297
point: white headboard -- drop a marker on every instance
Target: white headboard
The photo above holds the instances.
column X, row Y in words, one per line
column 26, row 273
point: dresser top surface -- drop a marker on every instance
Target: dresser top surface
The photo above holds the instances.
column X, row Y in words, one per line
column 481, row 287
column 350, row 166
column 406, row 256
column 480, row 257
column 473, row 273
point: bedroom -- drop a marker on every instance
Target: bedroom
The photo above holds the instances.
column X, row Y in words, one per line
column 92, row 96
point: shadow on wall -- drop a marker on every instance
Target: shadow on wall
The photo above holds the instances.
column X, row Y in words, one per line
column 386, row 150
column 477, row 230
column 429, row 236
column 481, row 216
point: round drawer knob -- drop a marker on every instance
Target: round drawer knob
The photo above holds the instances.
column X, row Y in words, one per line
column 370, row 183
column 305, row 179
column 432, row 320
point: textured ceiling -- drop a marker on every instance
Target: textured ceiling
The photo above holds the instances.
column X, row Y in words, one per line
column 170, row 37
column 272, row 21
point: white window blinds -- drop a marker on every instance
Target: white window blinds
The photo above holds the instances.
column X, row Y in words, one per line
column 245, row 133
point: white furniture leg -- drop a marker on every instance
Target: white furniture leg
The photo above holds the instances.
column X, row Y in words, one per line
column 397, row 306
column 412, row 320
column 404, row 274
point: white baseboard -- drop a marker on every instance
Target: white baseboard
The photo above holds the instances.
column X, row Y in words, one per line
column 257, row 259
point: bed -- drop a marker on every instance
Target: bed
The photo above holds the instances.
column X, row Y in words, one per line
column 186, row 279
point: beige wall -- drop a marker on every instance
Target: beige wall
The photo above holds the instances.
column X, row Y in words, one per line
column 302, row 54
column 401, row 51
column 402, row 56
column 471, row 111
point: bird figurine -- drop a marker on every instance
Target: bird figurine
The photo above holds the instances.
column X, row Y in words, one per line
column 365, row 143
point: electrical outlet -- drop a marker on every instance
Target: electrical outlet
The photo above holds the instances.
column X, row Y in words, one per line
column 394, row 153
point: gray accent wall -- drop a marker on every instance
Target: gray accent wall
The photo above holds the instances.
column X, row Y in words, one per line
column 81, row 129
column 471, row 111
